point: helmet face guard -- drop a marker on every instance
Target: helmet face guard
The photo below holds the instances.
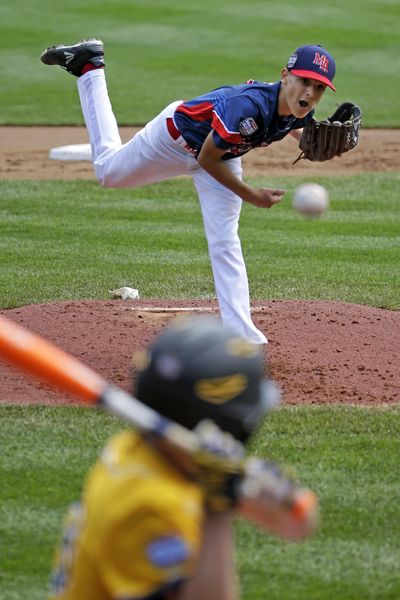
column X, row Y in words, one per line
column 197, row 369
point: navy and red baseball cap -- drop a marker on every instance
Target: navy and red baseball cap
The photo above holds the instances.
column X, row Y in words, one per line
column 313, row 62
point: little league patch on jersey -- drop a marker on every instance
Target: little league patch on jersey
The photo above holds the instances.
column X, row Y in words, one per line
column 248, row 127
column 167, row 551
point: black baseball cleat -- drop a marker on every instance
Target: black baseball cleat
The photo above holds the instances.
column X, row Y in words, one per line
column 74, row 58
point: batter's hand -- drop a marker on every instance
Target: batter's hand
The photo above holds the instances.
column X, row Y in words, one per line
column 264, row 197
column 275, row 501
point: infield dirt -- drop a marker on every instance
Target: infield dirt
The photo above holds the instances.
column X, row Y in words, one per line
column 24, row 155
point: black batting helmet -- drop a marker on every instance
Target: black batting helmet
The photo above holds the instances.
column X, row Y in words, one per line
column 197, row 369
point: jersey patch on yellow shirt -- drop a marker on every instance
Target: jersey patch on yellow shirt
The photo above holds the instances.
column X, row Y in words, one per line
column 167, row 551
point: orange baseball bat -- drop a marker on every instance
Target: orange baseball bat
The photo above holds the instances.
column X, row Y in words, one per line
column 45, row 361
column 266, row 496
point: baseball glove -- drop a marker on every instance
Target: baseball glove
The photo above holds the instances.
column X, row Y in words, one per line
column 323, row 140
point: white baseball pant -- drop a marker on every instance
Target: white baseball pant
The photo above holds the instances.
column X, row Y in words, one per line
column 153, row 155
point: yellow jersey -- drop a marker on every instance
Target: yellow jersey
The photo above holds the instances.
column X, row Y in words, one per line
column 136, row 531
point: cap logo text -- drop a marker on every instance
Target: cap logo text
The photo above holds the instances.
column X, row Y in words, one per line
column 322, row 61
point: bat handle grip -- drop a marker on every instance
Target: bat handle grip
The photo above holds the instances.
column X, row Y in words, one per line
column 274, row 502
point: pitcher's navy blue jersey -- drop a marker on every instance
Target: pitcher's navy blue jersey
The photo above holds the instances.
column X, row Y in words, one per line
column 242, row 117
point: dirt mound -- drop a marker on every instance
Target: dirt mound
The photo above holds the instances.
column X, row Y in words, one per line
column 319, row 352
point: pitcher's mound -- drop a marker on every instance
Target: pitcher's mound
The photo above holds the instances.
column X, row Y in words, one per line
column 319, row 352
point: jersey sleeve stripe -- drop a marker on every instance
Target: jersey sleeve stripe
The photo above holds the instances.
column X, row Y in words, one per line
column 233, row 137
column 198, row 112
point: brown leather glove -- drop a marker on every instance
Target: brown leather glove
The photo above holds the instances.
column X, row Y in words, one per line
column 339, row 133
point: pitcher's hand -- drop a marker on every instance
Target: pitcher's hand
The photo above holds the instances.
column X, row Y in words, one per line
column 263, row 197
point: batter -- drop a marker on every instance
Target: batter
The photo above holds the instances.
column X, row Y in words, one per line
column 205, row 138
column 151, row 524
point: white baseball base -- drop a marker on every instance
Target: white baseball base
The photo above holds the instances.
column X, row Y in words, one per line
column 71, row 152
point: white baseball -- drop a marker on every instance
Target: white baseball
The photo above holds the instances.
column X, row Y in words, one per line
column 311, row 199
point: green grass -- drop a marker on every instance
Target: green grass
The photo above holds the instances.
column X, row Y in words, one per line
column 349, row 456
column 159, row 51
column 75, row 240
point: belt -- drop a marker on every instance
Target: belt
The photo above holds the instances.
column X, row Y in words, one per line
column 176, row 135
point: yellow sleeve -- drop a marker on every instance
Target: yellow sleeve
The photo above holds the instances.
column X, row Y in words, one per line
column 144, row 520
column 146, row 552
column 139, row 529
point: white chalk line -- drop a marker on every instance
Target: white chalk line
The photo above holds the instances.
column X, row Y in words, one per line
column 163, row 309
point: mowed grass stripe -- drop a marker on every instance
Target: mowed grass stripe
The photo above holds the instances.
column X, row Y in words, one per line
column 75, row 240
column 158, row 52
